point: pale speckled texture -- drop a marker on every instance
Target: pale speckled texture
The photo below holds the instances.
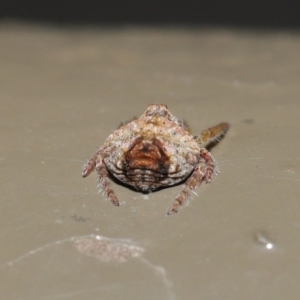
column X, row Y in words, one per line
column 155, row 151
column 63, row 91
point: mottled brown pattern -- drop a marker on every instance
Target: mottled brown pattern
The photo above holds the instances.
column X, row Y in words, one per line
column 148, row 155
column 153, row 151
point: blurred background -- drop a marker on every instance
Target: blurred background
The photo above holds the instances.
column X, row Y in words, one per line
column 267, row 13
column 71, row 72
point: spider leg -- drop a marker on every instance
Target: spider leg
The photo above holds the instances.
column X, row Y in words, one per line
column 104, row 181
column 212, row 134
column 210, row 164
column 203, row 171
column 191, row 184
column 90, row 165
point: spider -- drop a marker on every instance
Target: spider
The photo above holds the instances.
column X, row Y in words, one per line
column 153, row 151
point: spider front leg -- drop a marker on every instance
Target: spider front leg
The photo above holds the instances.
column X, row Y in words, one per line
column 191, row 184
column 210, row 164
column 203, row 171
column 97, row 162
column 90, row 165
column 104, row 182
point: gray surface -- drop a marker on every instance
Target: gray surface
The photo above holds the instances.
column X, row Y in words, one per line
column 64, row 90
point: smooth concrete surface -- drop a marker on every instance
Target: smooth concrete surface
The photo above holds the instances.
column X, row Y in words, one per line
column 64, row 90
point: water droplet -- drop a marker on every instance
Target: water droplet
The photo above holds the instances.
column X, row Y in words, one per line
column 262, row 239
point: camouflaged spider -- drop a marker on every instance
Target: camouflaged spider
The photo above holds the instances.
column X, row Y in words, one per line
column 153, row 151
